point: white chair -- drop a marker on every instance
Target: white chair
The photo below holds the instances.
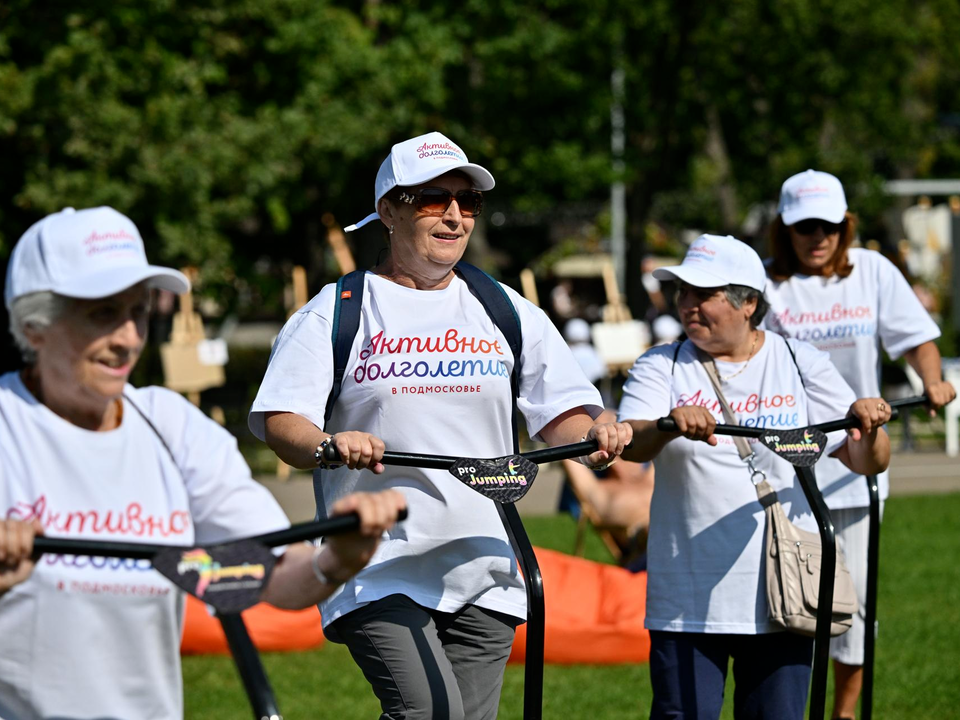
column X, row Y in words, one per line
column 951, row 371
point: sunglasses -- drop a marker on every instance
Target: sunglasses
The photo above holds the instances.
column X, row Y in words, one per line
column 436, row 201
column 809, row 226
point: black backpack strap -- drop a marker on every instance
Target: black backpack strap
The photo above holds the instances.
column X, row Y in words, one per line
column 346, row 323
column 676, row 354
column 504, row 315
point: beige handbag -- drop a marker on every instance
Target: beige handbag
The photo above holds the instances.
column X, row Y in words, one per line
column 792, row 556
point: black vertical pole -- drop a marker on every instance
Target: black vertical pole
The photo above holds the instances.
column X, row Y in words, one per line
column 828, row 568
column 955, row 267
column 870, row 612
column 251, row 670
column 536, row 614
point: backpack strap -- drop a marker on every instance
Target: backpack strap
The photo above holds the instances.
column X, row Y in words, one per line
column 676, row 354
column 346, row 323
column 504, row 315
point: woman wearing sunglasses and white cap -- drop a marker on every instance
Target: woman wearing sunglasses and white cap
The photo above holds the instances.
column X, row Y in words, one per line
column 848, row 302
column 706, row 598
column 83, row 454
column 431, row 621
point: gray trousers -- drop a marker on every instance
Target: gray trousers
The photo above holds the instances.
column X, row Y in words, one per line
column 429, row 665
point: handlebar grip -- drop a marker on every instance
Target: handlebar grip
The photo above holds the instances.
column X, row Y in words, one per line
column 667, row 424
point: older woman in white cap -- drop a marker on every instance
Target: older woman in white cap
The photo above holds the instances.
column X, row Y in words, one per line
column 431, row 620
column 848, row 302
column 706, row 599
column 83, row 454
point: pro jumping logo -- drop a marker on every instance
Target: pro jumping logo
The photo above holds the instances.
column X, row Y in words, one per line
column 504, row 479
column 211, row 573
column 802, row 446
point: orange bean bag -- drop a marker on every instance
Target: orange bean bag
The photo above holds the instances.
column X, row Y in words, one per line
column 594, row 616
column 594, row 613
column 270, row 628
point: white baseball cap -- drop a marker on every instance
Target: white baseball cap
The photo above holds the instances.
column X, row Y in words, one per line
column 812, row 194
column 419, row 159
column 715, row 261
column 91, row 253
column 577, row 330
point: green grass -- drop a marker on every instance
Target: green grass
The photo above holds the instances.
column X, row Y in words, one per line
column 918, row 650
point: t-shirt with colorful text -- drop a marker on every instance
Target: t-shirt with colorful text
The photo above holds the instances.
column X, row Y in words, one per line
column 428, row 372
column 88, row 637
column 850, row 318
column 706, row 543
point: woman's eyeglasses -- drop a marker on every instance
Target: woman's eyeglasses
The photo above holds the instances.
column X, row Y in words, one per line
column 809, row 226
column 436, row 201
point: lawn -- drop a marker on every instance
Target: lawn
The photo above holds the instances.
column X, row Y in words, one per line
column 918, row 650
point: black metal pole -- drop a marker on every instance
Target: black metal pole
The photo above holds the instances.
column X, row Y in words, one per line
column 870, row 611
column 251, row 671
column 828, row 568
column 536, row 612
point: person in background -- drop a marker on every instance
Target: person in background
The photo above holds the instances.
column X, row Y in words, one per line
column 577, row 334
column 850, row 303
column 83, row 454
column 619, row 502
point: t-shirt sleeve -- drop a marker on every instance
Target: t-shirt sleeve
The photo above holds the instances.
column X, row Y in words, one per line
column 226, row 503
column 829, row 397
column 299, row 375
column 551, row 380
column 646, row 393
column 903, row 323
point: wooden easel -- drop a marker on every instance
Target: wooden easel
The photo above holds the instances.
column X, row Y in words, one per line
column 183, row 370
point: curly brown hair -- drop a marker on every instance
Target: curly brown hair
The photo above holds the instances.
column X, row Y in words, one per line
column 784, row 261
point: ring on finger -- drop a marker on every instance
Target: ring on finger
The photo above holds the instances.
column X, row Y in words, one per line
column 881, row 407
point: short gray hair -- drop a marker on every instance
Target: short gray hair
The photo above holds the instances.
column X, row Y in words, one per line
column 737, row 295
column 37, row 310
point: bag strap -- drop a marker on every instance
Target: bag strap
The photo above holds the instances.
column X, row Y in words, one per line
column 742, row 446
column 153, row 427
column 765, row 493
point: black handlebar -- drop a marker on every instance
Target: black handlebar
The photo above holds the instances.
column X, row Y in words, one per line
column 445, row 462
column 668, row 424
column 142, row 551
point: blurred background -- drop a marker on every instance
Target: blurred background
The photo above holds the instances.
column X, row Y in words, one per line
column 240, row 136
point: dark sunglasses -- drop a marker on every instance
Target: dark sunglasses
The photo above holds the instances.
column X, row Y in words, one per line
column 810, row 225
column 436, row 201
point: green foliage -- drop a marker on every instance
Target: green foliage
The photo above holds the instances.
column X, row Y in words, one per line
column 226, row 129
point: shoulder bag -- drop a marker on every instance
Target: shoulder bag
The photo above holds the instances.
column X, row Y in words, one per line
column 791, row 556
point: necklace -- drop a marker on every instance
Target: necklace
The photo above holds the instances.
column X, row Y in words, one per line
column 753, row 348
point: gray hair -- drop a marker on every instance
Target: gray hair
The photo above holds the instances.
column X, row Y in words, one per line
column 37, row 310
column 737, row 295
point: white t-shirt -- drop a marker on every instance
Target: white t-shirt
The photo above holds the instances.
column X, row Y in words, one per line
column 428, row 372
column 89, row 637
column 705, row 550
column 850, row 318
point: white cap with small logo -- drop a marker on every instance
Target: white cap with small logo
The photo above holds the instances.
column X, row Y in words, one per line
column 92, row 253
column 419, row 159
column 812, row 194
column 715, row 261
